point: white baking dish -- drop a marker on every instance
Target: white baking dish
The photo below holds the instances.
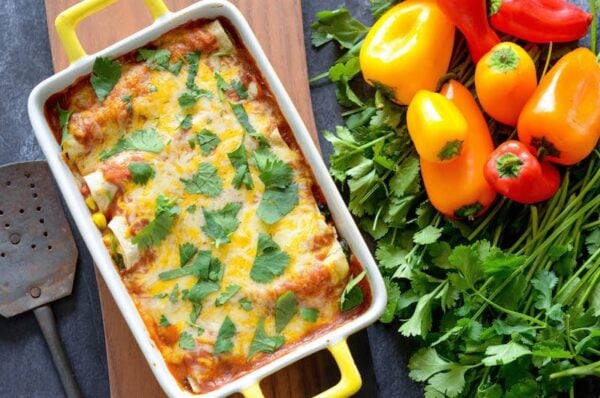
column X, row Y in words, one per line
column 334, row 340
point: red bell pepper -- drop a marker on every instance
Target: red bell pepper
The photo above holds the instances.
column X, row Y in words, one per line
column 470, row 16
column 540, row 21
column 517, row 174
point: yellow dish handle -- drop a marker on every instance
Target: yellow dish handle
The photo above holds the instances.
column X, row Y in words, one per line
column 349, row 384
column 66, row 22
column 350, row 380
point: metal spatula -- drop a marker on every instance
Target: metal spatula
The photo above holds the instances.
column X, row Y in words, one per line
column 37, row 253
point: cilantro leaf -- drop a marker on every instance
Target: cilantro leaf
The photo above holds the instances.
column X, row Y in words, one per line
column 274, row 173
column 105, row 75
column 427, row 235
column 286, row 307
column 379, row 7
column 206, row 140
column 501, row 263
column 309, row 314
column 200, row 290
column 222, row 86
column 592, row 241
column 419, row 324
column 245, row 304
column 393, row 292
column 341, row 74
column 337, row 25
column 191, row 209
column 199, row 268
column 242, row 117
column 447, row 378
column 195, row 313
column 504, row 353
column 63, row 120
column 240, row 89
column 261, row 342
column 352, row 296
column 206, row 181
column 467, row 260
column 277, row 202
column 225, row 296
column 186, row 122
column 174, row 295
column 192, row 58
column 270, row 260
column 186, row 341
column 239, row 161
column 147, row 140
column 224, row 341
column 543, row 283
column 164, row 321
column 220, row 224
column 186, row 252
column 157, row 59
column 141, row 172
column 158, row 229
column 189, row 98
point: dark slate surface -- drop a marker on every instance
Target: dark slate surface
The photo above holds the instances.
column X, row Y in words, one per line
column 26, row 369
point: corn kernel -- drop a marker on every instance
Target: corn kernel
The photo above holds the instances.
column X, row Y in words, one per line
column 90, row 203
column 99, row 220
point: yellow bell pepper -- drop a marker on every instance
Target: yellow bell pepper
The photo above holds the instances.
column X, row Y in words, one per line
column 437, row 127
column 408, row 49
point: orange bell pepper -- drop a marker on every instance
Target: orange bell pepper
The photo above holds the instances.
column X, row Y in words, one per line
column 408, row 49
column 561, row 120
column 458, row 189
column 505, row 79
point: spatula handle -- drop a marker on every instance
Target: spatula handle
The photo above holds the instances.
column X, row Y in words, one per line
column 45, row 319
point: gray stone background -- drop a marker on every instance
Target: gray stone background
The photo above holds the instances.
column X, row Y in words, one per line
column 26, row 369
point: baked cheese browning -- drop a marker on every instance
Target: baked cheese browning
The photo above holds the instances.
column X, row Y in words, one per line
column 212, row 219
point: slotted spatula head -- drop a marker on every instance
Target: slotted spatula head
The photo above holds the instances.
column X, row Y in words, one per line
column 37, row 251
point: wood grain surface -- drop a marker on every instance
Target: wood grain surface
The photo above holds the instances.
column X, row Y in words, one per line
column 278, row 26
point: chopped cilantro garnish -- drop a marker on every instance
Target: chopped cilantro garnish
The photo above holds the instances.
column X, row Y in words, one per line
column 141, row 172
column 242, row 117
column 270, row 260
column 226, row 295
column 199, row 329
column 206, row 140
column 186, row 341
column 240, row 89
column 206, row 181
column 146, row 140
column 195, row 313
column 277, row 202
column 222, row 86
column 262, row 342
column 220, row 224
column 309, row 314
column 105, row 75
column 224, row 341
column 200, row 290
column 191, row 209
column 352, row 295
column 164, row 321
column 199, row 268
column 189, row 98
column 186, row 122
column 174, row 296
column 63, row 120
column 286, row 307
column 158, row 229
column 245, row 304
column 161, row 295
column 192, row 58
column 186, row 252
column 239, row 160
column 274, row 173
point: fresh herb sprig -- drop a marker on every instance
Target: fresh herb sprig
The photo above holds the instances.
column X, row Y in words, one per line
column 506, row 305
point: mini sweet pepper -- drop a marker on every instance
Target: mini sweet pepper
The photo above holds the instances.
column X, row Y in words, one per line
column 458, row 188
column 561, row 120
column 408, row 49
column 436, row 126
column 517, row 174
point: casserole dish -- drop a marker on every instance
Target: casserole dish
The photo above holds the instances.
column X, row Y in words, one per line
column 247, row 383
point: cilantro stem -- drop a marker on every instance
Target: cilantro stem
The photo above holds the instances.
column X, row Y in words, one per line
column 491, row 215
column 591, row 225
column 586, row 370
column 594, row 26
column 591, row 285
column 582, row 268
column 365, row 146
column 548, row 59
column 318, row 77
column 511, row 312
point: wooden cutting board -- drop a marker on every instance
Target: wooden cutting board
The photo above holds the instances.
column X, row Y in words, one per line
column 278, row 26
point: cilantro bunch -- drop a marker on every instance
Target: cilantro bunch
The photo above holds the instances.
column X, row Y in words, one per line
column 507, row 305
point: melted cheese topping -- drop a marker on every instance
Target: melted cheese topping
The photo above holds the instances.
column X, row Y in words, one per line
column 148, row 99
